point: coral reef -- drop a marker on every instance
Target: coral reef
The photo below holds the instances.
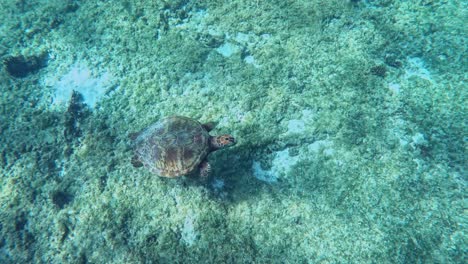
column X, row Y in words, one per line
column 337, row 161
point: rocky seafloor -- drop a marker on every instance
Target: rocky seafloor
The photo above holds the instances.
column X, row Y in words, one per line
column 350, row 118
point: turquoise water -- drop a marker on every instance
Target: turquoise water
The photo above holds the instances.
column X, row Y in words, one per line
column 349, row 117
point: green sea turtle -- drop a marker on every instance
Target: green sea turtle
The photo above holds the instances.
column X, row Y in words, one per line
column 176, row 146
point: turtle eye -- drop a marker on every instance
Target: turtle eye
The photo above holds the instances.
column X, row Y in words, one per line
column 226, row 140
column 229, row 139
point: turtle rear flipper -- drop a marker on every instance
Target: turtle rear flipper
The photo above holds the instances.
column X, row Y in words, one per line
column 136, row 162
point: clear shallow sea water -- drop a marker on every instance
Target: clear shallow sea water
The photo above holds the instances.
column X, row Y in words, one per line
column 349, row 117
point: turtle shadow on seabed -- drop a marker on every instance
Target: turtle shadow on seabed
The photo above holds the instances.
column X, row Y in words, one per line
column 245, row 172
column 232, row 179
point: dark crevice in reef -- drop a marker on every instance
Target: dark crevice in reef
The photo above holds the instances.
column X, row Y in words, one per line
column 61, row 199
column 20, row 66
column 76, row 113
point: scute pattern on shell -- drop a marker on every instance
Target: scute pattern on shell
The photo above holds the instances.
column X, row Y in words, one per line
column 172, row 147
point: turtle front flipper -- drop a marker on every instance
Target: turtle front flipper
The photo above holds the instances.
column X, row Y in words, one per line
column 136, row 162
column 209, row 126
column 205, row 169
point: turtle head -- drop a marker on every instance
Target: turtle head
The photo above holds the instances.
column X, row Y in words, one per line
column 222, row 141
